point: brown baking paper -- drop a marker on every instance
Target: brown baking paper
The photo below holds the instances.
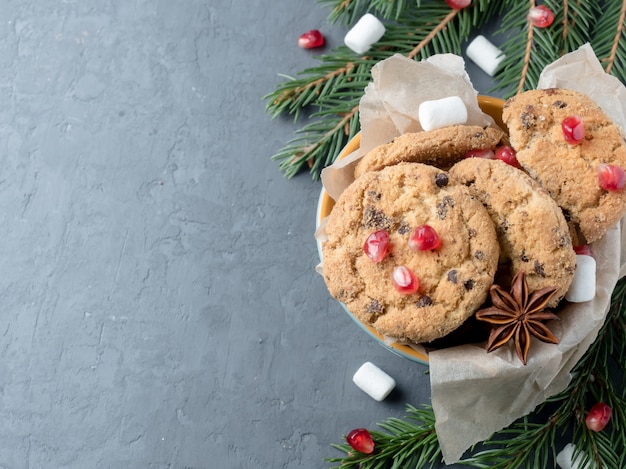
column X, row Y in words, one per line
column 475, row 393
column 391, row 101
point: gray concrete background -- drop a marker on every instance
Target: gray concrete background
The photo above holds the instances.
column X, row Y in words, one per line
column 160, row 307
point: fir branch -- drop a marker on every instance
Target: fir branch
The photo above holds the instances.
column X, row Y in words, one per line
column 526, row 59
column 408, row 442
column 609, row 39
column 420, row 29
column 529, row 49
column 342, row 76
column 530, row 442
column 443, row 24
column 619, row 32
column 348, row 11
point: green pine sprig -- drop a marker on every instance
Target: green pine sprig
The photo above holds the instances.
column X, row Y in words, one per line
column 531, row 442
column 331, row 91
column 409, row 442
column 528, row 49
column 326, row 96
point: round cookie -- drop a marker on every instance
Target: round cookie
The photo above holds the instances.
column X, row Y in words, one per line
column 454, row 278
column 532, row 231
column 441, row 147
column 569, row 172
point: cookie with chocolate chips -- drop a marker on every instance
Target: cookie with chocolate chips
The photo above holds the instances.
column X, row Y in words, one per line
column 454, row 278
column 569, row 172
column 441, row 147
column 533, row 234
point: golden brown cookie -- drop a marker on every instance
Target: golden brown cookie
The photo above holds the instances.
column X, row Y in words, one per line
column 532, row 231
column 569, row 172
column 441, row 147
column 454, row 278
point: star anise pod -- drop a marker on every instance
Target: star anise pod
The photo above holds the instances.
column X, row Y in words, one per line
column 518, row 315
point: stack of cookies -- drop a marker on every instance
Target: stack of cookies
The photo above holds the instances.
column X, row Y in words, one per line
column 415, row 243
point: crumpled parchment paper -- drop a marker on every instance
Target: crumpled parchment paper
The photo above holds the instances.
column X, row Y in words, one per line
column 475, row 394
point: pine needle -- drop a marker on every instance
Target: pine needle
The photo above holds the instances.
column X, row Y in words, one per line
column 530, row 442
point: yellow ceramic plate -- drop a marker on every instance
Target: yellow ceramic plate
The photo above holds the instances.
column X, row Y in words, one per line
column 489, row 105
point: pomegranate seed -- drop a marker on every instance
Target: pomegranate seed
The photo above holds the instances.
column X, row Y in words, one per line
column 458, row 4
column 478, row 153
column 360, row 440
column 424, row 238
column 405, row 280
column 598, row 417
column 611, row 177
column 584, row 250
column 573, row 129
column 311, row 39
column 376, row 245
column 507, row 154
column 541, row 16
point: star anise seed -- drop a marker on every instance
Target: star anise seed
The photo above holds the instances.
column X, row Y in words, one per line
column 518, row 315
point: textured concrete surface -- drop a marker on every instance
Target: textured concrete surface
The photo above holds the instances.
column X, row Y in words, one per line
column 160, row 307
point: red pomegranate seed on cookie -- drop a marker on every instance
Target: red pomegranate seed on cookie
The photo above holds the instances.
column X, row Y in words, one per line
column 507, row 154
column 360, row 440
column 598, row 417
column 424, row 238
column 478, row 153
column 458, row 4
column 573, row 129
column 405, row 280
column 611, row 177
column 376, row 245
column 311, row 39
column 541, row 16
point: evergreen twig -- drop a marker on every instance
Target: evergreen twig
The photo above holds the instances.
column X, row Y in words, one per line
column 419, row 29
column 531, row 442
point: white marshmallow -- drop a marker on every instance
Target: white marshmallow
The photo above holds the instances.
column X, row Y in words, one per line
column 373, row 381
column 583, row 287
column 364, row 33
column 484, row 54
column 441, row 113
column 565, row 459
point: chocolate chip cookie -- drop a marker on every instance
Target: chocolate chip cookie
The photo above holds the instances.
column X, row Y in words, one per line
column 454, row 278
column 441, row 147
column 569, row 171
column 532, row 231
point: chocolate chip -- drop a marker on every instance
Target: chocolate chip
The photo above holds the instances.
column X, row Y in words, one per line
column 453, row 276
column 472, row 233
column 374, row 307
column 550, row 91
column 559, row 104
column 373, row 218
column 442, row 207
column 404, row 228
column 504, row 226
column 539, row 269
column 469, row 284
column 373, row 195
column 345, row 295
column 441, row 179
column 565, row 241
column 480, row 255
column 523, row 256
column 528, row 120
column 424, row 301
